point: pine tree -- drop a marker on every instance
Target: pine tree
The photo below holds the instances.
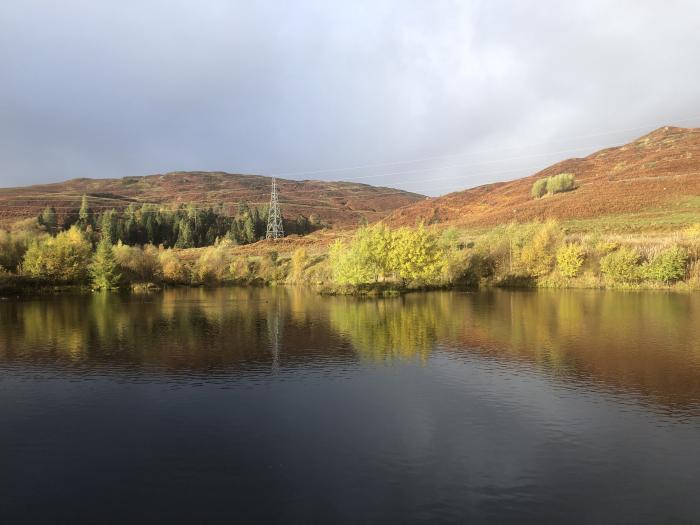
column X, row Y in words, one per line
column 103, row 270
column 185, row 238
column 249, row 229
column 84, row 213
column 48, row 219
column 108, row 227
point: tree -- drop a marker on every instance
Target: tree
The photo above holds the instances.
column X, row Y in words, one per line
column 108, row 226
column 84, row 213
column 415, row 254
column 103, row 270
column 48, row 219
column 64, row 258
column 249, row 229
column 560, row 183
column 185, row 238
column 365, row 259
column 539, row 188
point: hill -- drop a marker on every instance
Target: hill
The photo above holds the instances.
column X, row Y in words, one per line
column 338, row 203
column 650, row 183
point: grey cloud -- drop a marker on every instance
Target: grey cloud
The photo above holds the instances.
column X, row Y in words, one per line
column 495, row 89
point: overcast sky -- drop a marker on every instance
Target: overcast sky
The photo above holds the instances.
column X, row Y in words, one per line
column 429, row 96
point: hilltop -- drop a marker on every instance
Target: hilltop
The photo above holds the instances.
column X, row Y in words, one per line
column 650, row 183
column 341, row 204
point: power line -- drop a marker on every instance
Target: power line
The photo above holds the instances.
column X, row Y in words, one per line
column 435, row 157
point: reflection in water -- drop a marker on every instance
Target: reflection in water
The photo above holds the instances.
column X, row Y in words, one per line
column 646, row 342
column 278, row 405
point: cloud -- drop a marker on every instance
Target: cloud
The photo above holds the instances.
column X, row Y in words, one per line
column 467, row 92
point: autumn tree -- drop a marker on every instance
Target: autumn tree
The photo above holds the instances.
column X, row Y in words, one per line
column 103, row 270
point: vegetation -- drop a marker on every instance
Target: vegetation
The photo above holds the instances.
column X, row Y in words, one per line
column 376, row 254
column 62, row 259
column 570, row 258
column 553, row 184
column 103, row 270
column 184, row 227
column 622, row 266
column 374, row 259
column 668, row 266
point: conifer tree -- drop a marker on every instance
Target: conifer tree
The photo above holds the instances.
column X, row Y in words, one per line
column 84, row 213
column 48, row 219
column 103, row 270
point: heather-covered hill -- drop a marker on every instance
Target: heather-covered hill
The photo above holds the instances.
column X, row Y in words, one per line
column 337, row 203
column 653, row 182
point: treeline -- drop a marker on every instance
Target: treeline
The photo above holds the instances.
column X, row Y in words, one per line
column 374, row 258
column 187, row 226
column 533, row 255
column 70, row 259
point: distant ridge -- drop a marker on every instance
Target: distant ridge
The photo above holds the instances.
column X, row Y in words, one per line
column 653, row 173
column 337, row 203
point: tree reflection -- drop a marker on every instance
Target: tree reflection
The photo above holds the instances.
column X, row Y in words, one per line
column 646, row 342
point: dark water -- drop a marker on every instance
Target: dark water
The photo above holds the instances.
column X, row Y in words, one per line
column 238, row 406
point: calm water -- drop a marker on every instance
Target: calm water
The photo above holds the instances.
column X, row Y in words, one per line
column 238, row 405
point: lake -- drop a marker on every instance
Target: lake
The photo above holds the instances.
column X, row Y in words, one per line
column 282, row 406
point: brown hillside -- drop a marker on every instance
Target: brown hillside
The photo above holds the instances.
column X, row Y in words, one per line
column 338, row 203
column 653, row 173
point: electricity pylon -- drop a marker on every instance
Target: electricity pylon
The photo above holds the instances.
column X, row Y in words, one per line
column 275, row 230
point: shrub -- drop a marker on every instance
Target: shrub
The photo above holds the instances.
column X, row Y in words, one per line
column 139, row 264
column 214, row 263
column 537, row 254
column 668, row 266
column 570, row 259
column 539, row 188
column 300, row 259
column 560, row 183
column 63, row 259
column 13, row 247
column 174, row 270
column 621, row 266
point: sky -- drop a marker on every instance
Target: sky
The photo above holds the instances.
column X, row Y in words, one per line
column 427, row 96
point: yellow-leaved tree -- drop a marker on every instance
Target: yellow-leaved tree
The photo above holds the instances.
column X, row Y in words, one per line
column 416, row 255
column 365, row 259
column 64, row 258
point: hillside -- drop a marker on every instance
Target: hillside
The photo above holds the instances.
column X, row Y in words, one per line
column 650, row 183
column 337, row 203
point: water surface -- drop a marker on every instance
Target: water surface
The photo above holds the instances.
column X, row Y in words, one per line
column 247, row 405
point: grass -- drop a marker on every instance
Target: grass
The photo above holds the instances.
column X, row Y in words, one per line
column 674, row 216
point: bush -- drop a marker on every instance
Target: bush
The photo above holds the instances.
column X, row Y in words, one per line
column 537, row 253
column 14, row 245
column 174, row 270
column 139, row 264
column 63, row 259
column 214, row 263
column 300, row 259
column 539, row 188
column 621, row 266
column 668, row 266
column 570, row 259
column 560, row 183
